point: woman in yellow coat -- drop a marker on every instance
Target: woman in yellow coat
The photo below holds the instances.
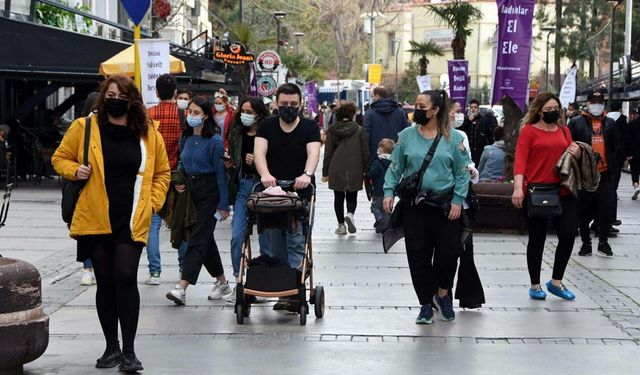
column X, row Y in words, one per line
column 127, row 179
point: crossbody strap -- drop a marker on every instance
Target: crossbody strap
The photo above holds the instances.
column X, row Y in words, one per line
column 429, row 157
column 87, row 136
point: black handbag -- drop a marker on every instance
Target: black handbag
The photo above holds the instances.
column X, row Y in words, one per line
column 71, row 189
column 409, row 186
column 543, row 201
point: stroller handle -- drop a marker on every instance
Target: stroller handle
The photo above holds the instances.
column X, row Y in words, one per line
column 284, row 184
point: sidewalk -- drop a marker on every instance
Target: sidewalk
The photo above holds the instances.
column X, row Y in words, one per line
column 371, row 306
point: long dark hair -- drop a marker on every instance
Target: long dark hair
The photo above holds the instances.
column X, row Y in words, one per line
column 137, row 120
column 210, row 128
column 533, row 114
column 258, row 107
column 440, row 99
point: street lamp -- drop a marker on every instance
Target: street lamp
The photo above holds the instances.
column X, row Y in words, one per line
column 298, row 35
column 397, row 41
column 549, row 30
column 614, row 6
column 277, row 16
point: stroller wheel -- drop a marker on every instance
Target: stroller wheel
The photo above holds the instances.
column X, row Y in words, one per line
column 239, row 314
column 246, row 309
column 318, row 301
column 303, row 313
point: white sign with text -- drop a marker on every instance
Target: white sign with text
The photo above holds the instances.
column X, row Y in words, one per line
column 154, row 62
column 424, row 83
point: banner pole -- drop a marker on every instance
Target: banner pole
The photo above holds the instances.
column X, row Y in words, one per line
column 136, row 57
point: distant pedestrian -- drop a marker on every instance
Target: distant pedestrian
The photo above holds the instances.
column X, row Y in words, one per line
column 127, row 179
column 223, row 115
column 384, row 119
column 479, row 129
column 622, row 130
column 201, row 152
column 376, row 175
column 346, row 160
column 431, row 218
column 572, row 111
column 492, row 160
column 542, row 141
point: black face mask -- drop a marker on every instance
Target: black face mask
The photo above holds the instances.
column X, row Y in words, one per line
column 550, row 117
column 288, row 114
column 116, row 107
column 420, row 116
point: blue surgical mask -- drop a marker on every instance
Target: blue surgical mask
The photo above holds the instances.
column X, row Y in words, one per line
column 247, row 119
column 194, row 122
column 220, row 107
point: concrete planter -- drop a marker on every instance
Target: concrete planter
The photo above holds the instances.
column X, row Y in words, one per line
column 24, row 328
column 496, row 213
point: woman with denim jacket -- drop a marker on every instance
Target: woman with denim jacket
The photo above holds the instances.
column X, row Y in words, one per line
column 429, row 230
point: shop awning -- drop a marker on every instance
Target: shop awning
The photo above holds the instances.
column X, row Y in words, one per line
column 123, row 63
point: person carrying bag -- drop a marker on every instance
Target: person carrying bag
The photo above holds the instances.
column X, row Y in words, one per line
column 71, row 189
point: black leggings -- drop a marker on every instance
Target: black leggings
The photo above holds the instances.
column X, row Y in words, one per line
column 338, row 203
column 566, row 230
column 634, row 164
column 117, row 297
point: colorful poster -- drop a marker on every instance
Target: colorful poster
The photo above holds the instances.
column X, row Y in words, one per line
column 154, row 62
column 459, row 81
column 310, row 91
column 568, row 92
column 267, row 86
column 514, row 50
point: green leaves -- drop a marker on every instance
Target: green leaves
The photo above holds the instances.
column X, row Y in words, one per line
column 458, row 16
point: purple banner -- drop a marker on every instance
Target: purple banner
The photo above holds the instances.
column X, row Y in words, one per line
column 253, row 80
column 312, row 97
column 514, row 50
column 459, row 81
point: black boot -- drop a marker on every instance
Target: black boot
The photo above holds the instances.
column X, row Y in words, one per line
column 112, row 356
column 130, row 363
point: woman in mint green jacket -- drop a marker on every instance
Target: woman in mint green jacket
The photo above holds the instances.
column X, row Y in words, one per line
column 431, row 227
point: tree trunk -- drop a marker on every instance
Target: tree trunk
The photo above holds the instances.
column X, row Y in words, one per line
column 423, row 65
column 556, row 53
column 458, row 45
column 512, row 116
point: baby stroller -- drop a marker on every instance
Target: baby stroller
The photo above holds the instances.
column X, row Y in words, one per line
column 270, row 280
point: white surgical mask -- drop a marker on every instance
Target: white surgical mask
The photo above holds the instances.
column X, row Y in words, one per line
column 458, row 120
column 247, row 119
column 219, row 107
column 182, row 103
column 596, row 109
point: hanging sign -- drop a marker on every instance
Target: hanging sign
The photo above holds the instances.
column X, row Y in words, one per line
column 267, row 86
column 459, row 81
column 234, row 54
column 154, row 62
column 374, row 75
column 268, row 61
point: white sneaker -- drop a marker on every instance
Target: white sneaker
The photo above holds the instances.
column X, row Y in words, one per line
column 87, row 278
column 351, row 222
column 342, row 229
column 231, row 298
column 178, row 295
column 219, row 290
column 635, row 194
column 153, row 279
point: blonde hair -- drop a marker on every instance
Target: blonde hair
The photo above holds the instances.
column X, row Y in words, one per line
column 386, row 145
column 533, row 114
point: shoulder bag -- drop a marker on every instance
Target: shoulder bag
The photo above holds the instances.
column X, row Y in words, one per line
column 409, row 186
column 71, row 189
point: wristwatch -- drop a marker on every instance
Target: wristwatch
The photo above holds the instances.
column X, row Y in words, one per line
column 309, row 173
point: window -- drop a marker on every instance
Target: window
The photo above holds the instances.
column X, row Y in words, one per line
column 391, row 42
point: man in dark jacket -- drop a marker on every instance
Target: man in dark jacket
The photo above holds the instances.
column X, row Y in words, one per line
column 622, row 126
column 479, row 129
column 385, row 119
column 595, row 129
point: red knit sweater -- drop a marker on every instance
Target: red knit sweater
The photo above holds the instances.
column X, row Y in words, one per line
column 537, row 153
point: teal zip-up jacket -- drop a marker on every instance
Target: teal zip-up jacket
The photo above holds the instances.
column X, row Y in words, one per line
column 448, row 168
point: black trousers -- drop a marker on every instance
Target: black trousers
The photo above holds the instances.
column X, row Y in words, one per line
column 338, row 203
column 634, row 164
column 596, row 206
column 566, row 226
column 469, row 289
column 613, row 203
column 202, row 249
column 433, row 244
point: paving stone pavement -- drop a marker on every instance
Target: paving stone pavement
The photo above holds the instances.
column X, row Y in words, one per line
column 371, row 306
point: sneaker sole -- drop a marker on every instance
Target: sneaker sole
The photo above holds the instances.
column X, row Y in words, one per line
column 603, row 255
column 350, row 225
column 442, row 317
column 218, row 298
column 635, row 195
column 152, row 283
column 86, row 283
column 585, row 255
column 175, row 299
column 130, row 369
column 424, row 321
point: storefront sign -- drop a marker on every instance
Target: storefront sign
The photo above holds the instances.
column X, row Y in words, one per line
column 268, row 61
column 514, row 50
column 154, row 62
column 267, row 86
column 374, row 75
column 234, row 54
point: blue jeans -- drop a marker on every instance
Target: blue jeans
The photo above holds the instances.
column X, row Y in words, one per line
column 239, row 225
column 153, row 244
column 286, row 248
column 87, row 264
column 378, row 211
column 182, row 250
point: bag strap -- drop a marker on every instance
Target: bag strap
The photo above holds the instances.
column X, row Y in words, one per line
column 428, row 157
column 87, row 136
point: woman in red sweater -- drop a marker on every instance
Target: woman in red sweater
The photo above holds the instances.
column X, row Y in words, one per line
column 542, row 141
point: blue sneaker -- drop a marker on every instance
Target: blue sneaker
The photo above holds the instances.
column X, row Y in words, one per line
column 537, row 293
column 560, row 291
column 445, row 307
column 425, row 316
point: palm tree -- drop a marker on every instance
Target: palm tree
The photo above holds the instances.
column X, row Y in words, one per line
column 458, row 16
column 244, row 34
column 424, row 49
